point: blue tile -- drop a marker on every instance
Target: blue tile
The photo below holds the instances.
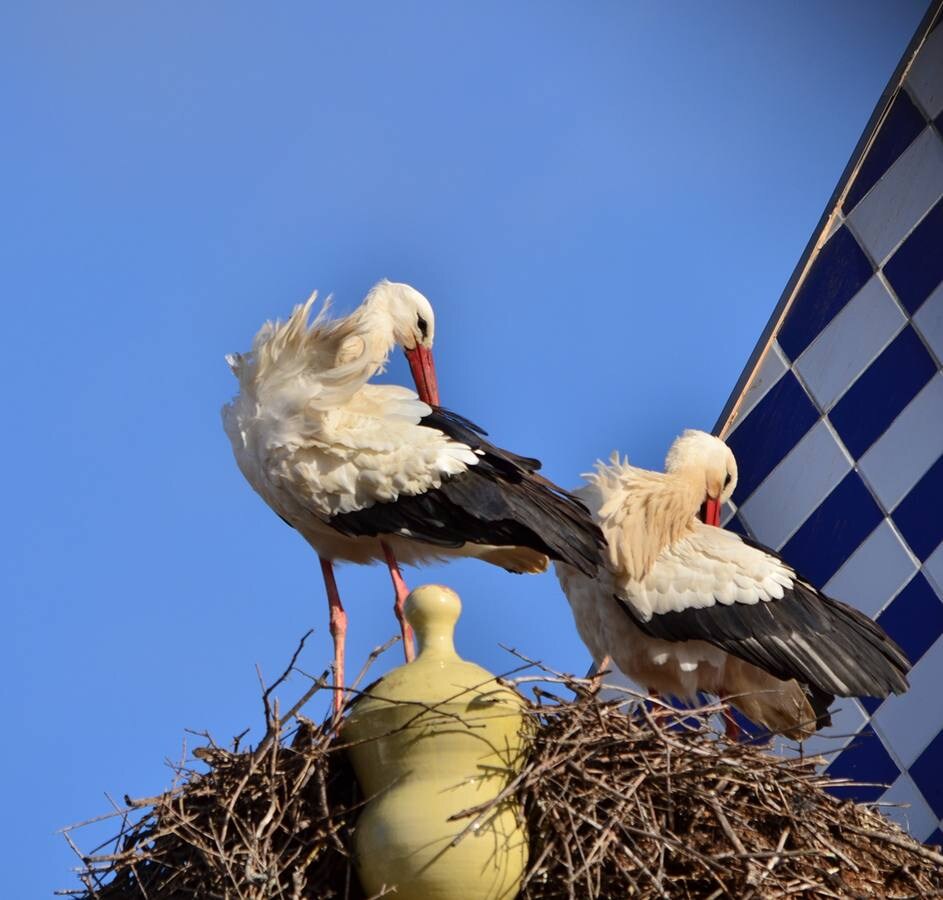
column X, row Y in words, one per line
column 914, row 618
column 865, row 759
column 833, row 532
column 917, row 266
column 870, row 405
column 902, row 124
column 871, row 704
column 927, row 773
column 751, row 732
column 935, row 839
column 838, row 273
column 769, row 432
column 918, row 515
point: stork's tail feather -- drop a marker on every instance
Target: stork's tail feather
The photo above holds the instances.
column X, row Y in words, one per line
column 519, row 560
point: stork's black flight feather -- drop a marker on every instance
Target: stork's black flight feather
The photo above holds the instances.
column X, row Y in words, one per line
column 827, row 645
column 501, row 501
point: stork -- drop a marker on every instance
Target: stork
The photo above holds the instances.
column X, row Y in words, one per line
column 684, row 607
column 368, row 472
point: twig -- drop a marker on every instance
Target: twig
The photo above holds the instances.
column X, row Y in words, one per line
column 899, row 841
column 641, row 804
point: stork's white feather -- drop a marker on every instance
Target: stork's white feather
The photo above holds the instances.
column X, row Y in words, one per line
column 312, row 436
column 669, row 666
column 706, row 566
column 662, row 559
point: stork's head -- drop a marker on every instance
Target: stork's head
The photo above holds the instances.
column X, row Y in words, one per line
column 706, row 458
column 414, row 330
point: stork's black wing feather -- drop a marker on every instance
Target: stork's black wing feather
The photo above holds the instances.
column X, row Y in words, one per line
column 823, row 643
column 501, row 501
column 461, row 429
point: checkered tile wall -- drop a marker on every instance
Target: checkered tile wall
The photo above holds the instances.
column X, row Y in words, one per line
column 838, row 429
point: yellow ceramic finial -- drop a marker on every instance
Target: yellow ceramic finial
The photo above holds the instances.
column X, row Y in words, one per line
column 432, row 610
column 430, row 740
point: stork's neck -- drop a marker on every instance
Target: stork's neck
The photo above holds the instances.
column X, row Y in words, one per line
column 668, row 505
column 641, row 512
column 686, row 495
column 320, row 367
column 372, row 324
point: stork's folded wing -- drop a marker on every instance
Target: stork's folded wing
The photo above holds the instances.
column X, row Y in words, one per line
column 716, row 586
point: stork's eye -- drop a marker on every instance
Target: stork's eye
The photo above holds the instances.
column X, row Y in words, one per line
column 727, row 481
column 423, row 326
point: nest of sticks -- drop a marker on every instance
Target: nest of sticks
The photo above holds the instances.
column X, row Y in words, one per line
column 653, row 804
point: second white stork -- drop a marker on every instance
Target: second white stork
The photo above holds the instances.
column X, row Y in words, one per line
column 370, row 472
column 684, row 607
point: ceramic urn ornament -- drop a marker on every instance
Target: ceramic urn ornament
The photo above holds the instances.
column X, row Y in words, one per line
column 433, row 738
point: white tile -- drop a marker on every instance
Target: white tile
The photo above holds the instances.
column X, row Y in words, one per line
column 929, row 321
column 901, row 198
column 915, row 817
column 925, row 78
column 898, row 459
column 770, row 371
column 909, row 722
column 846, row 346
column 874, row 573
column 933, row 569
column 795, row 487
column 727, row 512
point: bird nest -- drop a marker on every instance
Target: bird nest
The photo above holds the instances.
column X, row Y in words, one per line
column 653, row 804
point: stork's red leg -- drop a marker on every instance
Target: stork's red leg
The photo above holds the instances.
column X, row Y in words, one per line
column 732, row 730
column 338, row 627
column 401, row 593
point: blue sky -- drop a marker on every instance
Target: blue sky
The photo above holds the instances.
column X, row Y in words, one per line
column 603, row 203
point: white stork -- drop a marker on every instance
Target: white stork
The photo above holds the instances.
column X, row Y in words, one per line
column 685, row 607
column 371, row 472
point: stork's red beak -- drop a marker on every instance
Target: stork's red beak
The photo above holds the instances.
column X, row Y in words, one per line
column 710, row 512
column 423, row 369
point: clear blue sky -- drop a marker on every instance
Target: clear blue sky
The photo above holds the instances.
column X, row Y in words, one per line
column 603, row 202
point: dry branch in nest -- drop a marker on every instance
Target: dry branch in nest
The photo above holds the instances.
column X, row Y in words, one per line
column 649, row 805
column 657, row 806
